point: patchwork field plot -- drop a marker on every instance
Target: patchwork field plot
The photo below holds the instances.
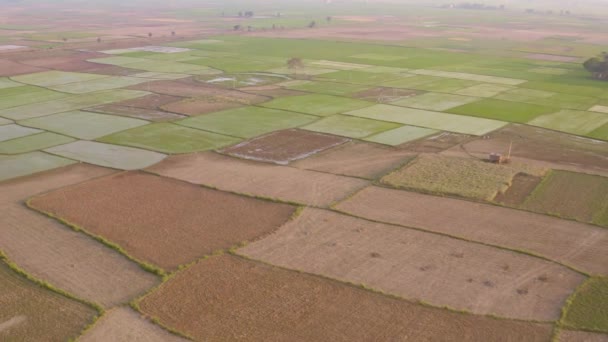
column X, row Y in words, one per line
column 320, row 105
column 357, row 159
column 28, row 163
column 329, row 88
column 247, row 122
column 571, row 243
column 349, row 126
column 445, row 175
column 400, row 135
column 571, row 121
column 306, row 70
column 383, row 94
column 483, row 90
column 580, row 336
column 105, row 83
column 332, row 311
column 429, row 119
column 169, row 138
column 55, row 78
column 283, row 147
column 521, row 187
column 411, row 82
column 204, row 223
column 572, row 195
column 361, row 77
column 599, row 109
column 280, row 182
column 435, row 101
column 60, row 256
column 587, row 308
column 137, row 113
column 30, row 312
column 26, row 95
column 118, row 157
column 12, row 131
column 180, row 88
column 363, row 252
column 338, row 65
column 241, row 80
column 197, row 106
column 83, row 125
column 503, row 110
column 121, row 323
column 444, row 85
column 470, row 77
column 600, row 132
column 33, row 143
column 524, row 95
column 7, row 83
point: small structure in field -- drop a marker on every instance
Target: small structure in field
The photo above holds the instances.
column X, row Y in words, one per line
column 499, row 158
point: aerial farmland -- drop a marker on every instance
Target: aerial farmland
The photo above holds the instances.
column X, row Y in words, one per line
column 387, row 170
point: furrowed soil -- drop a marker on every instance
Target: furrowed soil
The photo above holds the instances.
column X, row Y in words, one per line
column 192, row 107
column 153, row 101
column 124, row 324
column 172, row 223
column 282, row 147
column 228, row 298
column 418, row 265
column 436, row 143
column 579, row 245
column 581, row 336
column 10, row 68
column 260, row 179
column 33, row 313
column 54, row 253
column 357, row 159
column 521, row 187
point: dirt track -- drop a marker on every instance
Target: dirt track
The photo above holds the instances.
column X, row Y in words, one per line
column 163, row 221
column 226, row 298
column 417, row 265
column 576, row 244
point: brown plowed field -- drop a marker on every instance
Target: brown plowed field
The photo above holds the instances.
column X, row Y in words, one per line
column 275, row 181
column 580, row 245
column 191, row 107
column 521, row 187
column 56, row 254
column 226, row 298
column 417, row 265
column 163, row 221
column 357, row 159
column 31, row 313
column 153, row 101
column 124, row 324
column 10, row 68
column 282, row 147
column 581, row 336
column 540, row 144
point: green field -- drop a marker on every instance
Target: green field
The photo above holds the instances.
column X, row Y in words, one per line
column 435, row 101
column 55, row 78
column 349, row 126
column 588, row 307
column 329, row 88
column 98, row 84
column 319, row 105
column 360, row 77
column 571, row 121
column 28, row 163
column 401, row 135
column 33, row 143
column 503, row 110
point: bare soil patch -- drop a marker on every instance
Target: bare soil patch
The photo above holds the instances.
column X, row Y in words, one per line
column 522, row 185
column 228, row 298
column 198, row 106
column 153, row 101
column 32, row 313
column 54, row 253
column 124, row 324
column 260, row 179
column 139, row 113
column 173, row 222
column 384, row 94
column 581, row 336
column 436, row 143
column 418, row 265
column 283, row 147
column 10, row 68
column 579, row 245
column 544, row 145
column 357, row 159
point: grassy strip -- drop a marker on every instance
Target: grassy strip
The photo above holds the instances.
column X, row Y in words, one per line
column 587, row 308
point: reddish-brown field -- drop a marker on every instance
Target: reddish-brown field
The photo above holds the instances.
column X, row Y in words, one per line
column 153, row 101
column 228, row 298
column 522, row 185
column 60, row 256
column 283, row 147
column 260, row 179
column 10, row 68
column 455, row 273
column 357, row 159
column 162, row 221
column 579, row 245
column 192, row 107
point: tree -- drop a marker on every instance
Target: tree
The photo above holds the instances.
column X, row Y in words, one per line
column 598, row 66
column 294, row 64
column 328, row 19
column 237, row 27
column 99, row 39
column 312, row 24
column 149, row 34
column 173, row 33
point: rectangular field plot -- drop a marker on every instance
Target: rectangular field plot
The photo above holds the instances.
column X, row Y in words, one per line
column 579, row 245
column 599, row 109
column 169, row 138
column 54, row 78
column 567, row 101
column 118, row 60
column 247, row 122
column 378, row 57
column 33, row 142
column 83, row 125
column 152, row 230
column 600, row 132
column 361, row 77
column 445, row 85
column 435, row 101
column 429, row 119
column 412, row 82
column 329, row 88
column 503, row 110
column 577, row 196
column 316, row 104
column 396, row 260
column 28, row 163
column 571, row 121
column 400, row 135
column 350, row 126
column 296, row 306
column 5, row 83
column 470, row 77
column 444, row 175
column 585, row 310
column 306, row 70
column 260, row 179
column 524, row 95
column 33, row 313
column 484, row 90
column 12, row 131
column 118, row 157
column 99, row 84
column 28, row 95
column 338, row 65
